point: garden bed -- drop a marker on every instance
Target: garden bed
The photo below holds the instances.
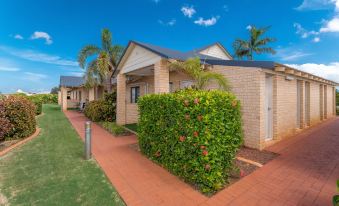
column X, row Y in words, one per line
column 244, row 168
column 114, row 129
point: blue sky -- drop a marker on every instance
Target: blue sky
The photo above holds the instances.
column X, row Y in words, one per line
column 40, row 40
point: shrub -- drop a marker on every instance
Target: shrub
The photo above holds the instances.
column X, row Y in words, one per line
column 103, row 109
column 5, row 124
column 44, row 98
column 113, row 128
column 37, row 103
column 20, row 112
column 195, row 134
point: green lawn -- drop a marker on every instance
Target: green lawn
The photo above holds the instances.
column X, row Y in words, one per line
column 133, row 127
column 50, row 169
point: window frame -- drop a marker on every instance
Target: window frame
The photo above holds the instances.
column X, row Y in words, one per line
column 136, row 94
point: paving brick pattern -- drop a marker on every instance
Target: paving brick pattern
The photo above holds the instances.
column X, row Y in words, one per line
column 304, row 174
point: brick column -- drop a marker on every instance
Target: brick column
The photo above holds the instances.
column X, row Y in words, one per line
column 91, row 94
column 161, row 77
column 121, row 99
column 63, row 91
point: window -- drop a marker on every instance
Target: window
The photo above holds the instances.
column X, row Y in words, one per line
column 185, row 84
column 135, row 93
column 171, row 89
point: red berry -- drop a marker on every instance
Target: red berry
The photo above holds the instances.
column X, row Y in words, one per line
column 195, row 134
column 199, row 117
column 196, row 101
column 202, row 147
column 182, row 138
column 187, row 116
column 205, row 152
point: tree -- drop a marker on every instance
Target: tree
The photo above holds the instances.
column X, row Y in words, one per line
column 55, row 90
column 102, row 67
column 255, row 44
column 197, row 71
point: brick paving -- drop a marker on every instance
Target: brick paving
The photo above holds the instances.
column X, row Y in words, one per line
column 304, row 174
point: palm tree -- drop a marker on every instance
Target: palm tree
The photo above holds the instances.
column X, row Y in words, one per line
column 255, row 44
column 193, row 68
column 102, row 67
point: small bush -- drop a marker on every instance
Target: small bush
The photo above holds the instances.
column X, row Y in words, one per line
column 45, row 98
column 37, row 103
column 194, row 134
column 20, row 112
column 5, row 124
column 113, row 128
column 103, row 109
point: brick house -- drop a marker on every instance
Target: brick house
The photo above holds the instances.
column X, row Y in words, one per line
column 73, row 92
column 277, row 101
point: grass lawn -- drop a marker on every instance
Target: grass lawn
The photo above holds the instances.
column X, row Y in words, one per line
column 50, row 169
column 133, row 127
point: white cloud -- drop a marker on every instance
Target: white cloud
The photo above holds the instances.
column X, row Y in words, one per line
column 169, row 23
column 207, row 22
column 18, row 36
column 291, row 54
column 316, row 39
column 36, row 56
column 34, row 76
column 303, row 32
column 156, row 1
column 327, row 71
column 42, row 35
column 9, row 69
column 188, row 11
column 316, row 4
column 331, row 26
column 249, row 27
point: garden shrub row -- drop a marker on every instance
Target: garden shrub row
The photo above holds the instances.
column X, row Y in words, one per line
column 102, row 109
column 17, row 117
column 40, row 99
column 194, row 134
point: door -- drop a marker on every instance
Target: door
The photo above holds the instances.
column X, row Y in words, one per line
column 299, row 104
column 268, row 107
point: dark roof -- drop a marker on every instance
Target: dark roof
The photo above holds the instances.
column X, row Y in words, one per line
column 71, row 81
column 240, row 63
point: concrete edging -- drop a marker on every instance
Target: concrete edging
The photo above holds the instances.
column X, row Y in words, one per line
column 10, row 148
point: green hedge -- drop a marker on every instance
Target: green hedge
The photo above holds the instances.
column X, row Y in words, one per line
column 40, row 99
column 102, row 109
column 194, row 134
column 20, row 113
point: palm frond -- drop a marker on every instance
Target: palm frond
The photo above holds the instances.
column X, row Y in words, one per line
column 265, row 50
column 106, row 40
column 86, row 52
column 207, row 77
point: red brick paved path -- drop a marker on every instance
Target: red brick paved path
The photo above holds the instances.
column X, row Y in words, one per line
column 304, row 174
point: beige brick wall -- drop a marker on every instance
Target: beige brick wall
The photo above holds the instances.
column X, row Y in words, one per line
column 248, row 85
column 286, row 107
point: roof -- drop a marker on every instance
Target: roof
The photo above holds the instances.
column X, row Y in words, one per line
column 71, row 81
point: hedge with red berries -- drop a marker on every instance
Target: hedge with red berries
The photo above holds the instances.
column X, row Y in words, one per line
column 194, row 134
